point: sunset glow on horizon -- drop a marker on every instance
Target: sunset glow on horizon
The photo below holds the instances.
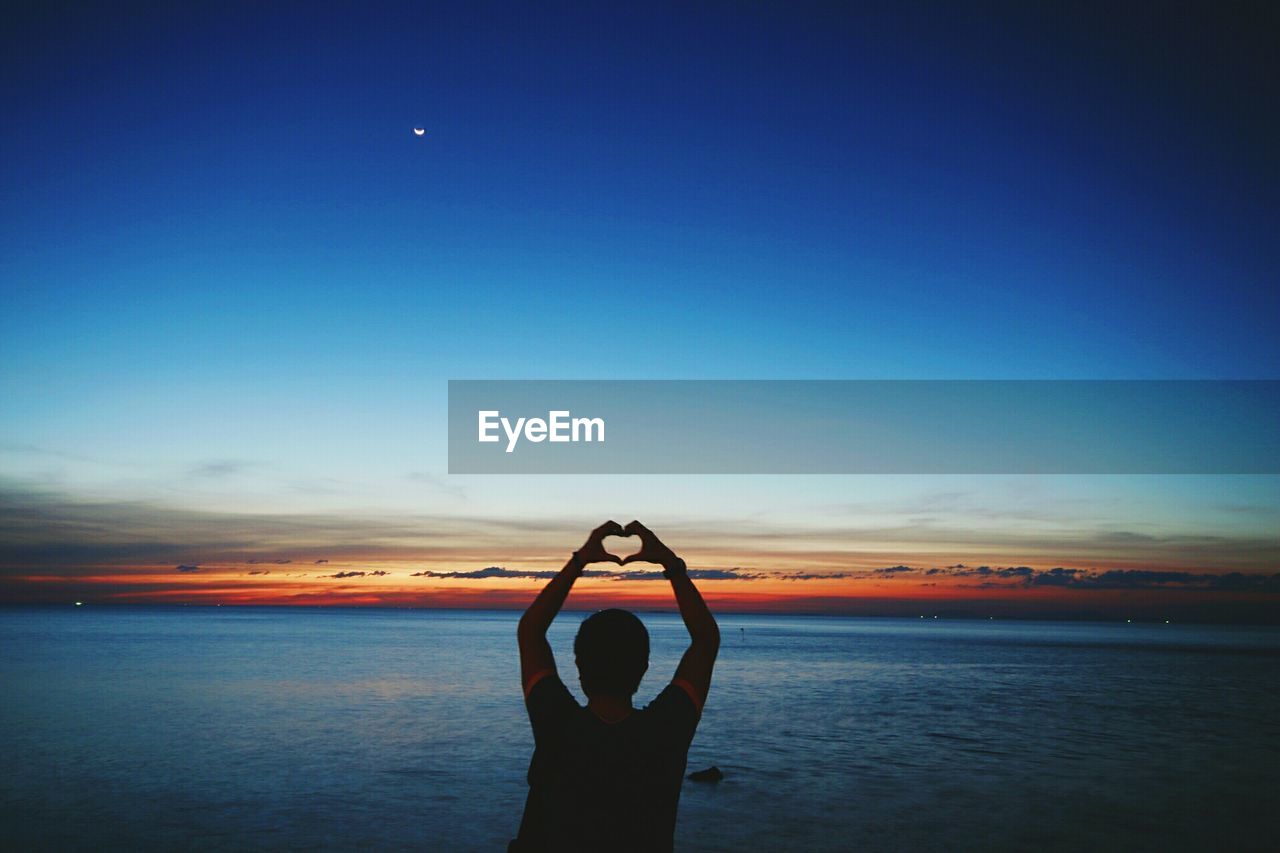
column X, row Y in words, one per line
column 832, row 582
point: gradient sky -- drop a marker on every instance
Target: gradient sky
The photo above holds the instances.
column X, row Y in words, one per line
column 235, row 283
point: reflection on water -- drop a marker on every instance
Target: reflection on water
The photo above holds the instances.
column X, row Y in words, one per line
column 270, row 728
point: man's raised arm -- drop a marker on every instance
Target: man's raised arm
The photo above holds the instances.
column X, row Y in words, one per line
column 704, row 635
column 536, row 658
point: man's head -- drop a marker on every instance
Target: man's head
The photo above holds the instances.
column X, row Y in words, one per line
column 612, row 649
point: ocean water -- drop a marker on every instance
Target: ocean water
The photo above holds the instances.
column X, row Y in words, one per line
column 351, row 729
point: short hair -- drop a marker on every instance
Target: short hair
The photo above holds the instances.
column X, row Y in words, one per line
column 612, row 648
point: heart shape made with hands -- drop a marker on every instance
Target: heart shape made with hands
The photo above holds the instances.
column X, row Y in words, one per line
column 622, row 554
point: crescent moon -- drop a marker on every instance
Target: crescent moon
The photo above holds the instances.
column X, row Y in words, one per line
column 418, row 131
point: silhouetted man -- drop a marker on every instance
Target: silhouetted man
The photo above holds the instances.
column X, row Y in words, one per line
column 607, row 777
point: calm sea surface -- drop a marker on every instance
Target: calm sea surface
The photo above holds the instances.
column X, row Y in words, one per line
column 217, row 728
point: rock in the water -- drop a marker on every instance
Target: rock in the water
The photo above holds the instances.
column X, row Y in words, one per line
column 711, row 774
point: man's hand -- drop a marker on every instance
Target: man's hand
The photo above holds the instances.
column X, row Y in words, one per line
column 651, row 549
column 593, row 551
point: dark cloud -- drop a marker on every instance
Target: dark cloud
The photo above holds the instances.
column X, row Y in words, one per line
column 219, row 468
column 260, row 572
column 37, row 450
column 356, row 574
column 1145, row 579
column 495, row 572
column 893, row 570
column 320, row 562
column 1240, row 582
column 187, row 568
column 1114, row 578
column 817, row 576
column 695, row 574
column 723, row 575
column 1026, row 574
column 959, row 570
column 1057, row 577
column 437, row 483
column 1124, row 537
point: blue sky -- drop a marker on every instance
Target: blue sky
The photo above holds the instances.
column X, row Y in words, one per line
column 223, row 249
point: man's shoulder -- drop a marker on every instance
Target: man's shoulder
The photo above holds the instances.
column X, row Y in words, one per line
column 673, row 711
column 678, row 695
column 548, row 700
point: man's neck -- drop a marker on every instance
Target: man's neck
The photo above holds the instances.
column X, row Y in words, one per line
column 611, row 709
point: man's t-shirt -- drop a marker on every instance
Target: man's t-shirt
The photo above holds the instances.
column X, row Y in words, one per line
column 604, row 786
